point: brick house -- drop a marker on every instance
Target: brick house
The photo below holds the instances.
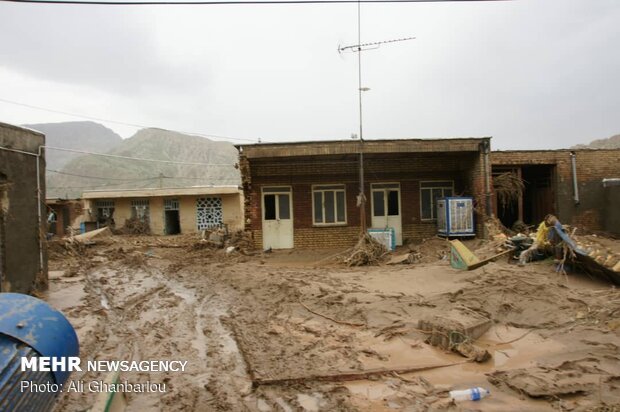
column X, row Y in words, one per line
column 305, row 194
column 549, row 186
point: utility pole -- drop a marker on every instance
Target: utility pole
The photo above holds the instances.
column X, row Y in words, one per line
column 362, row 196
column 358, row 48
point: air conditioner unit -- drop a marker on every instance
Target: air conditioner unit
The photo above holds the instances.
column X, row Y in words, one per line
column 387, row 237
column 455, row 216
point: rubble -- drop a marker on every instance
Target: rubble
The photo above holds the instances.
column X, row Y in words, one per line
column 367, row 251
column 135, row 226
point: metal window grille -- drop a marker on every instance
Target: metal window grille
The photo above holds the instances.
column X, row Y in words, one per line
column 208, row 212
column 104, row 203
column 171, row 204
column 140, row 209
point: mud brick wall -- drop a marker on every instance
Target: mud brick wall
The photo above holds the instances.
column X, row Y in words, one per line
column 20, row 231
column 593, row 165
column 408, row 169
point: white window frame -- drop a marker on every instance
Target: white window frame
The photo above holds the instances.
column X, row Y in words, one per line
column 276, row 190
column 384, row 187
column 329, row 188
column 433, row 207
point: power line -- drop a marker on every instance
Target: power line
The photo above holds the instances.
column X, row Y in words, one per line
column 89, row 177
column 126, row 180
column 230, row 2
column 137, row 158
column 83, row 116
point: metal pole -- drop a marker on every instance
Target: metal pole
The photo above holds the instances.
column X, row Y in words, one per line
column 359, row 90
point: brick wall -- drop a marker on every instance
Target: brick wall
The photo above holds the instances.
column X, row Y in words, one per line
column 465, row 169
column 592, row 167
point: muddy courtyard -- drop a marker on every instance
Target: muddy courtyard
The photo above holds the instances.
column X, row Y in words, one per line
column 300, row 331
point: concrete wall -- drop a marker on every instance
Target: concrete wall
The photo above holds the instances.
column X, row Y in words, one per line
column 408, row 169
column 20, row 269
column 231, row 210
column 593, row 165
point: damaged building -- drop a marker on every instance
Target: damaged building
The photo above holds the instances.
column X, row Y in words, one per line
column 567, row 183
column 166, row 211
column 306, row 194
column 23, row 256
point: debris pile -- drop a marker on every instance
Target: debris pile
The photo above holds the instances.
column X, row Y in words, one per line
column 429, row 250
column 242, row 241
column 135, row 226
column 367, row 251
column 601, row 250
column 495, row 229
column 509, row 188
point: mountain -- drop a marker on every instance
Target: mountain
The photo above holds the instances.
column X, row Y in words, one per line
column 88, row 136
column 612, row 142
column 89, row 172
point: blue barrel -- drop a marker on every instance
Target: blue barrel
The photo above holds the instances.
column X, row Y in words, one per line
column 31, row 328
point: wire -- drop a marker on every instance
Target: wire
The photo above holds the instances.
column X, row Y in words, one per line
column 119, row 122
column 137, row 158
column 128, row 180
column 230, row 2
column 89, row 177
column 377, row 43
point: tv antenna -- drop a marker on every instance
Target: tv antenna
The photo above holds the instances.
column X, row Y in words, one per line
column 359, row 48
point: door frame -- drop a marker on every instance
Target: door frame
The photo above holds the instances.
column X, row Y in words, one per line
column 289, row 191
column 385, row 200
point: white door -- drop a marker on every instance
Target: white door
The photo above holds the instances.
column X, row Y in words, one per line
column 277, row 217
column 386, row 208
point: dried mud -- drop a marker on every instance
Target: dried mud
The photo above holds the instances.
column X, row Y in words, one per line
column 267, row 332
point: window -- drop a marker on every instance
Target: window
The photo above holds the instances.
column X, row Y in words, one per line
column 328, row 205
column 385, row 199
column 105, row 211
column 429, row 193
column 140, row 209
column 277, row 203
column 208, row 212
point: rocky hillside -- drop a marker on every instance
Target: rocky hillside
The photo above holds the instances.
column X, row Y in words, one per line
column 612, row 142
column 88, row 136
column 89, row 172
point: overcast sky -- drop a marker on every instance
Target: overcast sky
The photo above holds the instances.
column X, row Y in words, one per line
column 531, row 74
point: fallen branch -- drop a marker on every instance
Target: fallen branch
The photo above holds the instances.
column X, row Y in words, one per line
column 333, row 256
column 330, row 318
column 349, row 376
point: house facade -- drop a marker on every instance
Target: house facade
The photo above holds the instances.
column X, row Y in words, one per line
column 64, row 216
column 305, row 195
column 167, row 211
column 23, row 255
column 567, row 183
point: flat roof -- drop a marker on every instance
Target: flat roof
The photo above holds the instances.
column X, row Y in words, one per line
column 335, row 147
column 155, row 192
column 21, row 128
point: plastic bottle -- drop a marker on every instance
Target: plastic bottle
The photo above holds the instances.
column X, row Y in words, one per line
column 472, row 394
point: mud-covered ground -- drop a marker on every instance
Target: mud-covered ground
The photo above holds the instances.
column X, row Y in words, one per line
column 293, row 330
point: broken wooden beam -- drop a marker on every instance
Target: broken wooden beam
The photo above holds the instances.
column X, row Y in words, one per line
column 348, row 376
